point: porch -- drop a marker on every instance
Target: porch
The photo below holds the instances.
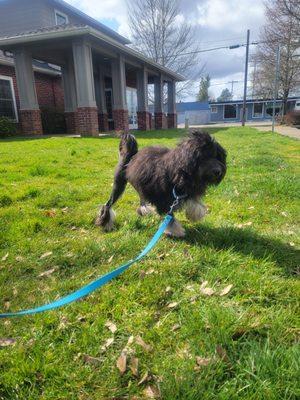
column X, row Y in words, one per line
column 96, row 72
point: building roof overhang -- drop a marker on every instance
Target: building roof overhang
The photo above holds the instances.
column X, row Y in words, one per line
column 77, row 31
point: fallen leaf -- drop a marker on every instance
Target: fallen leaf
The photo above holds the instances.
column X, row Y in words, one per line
column 145, row 378
column 284, row 213
column 7, row 305
column 144, row 345
column 292, row 244
column 172, row 305
column 251, row 208
column 65, row 210
column 151, row 392
column 50, row 213
column 122, row 363
column 207, row 291
column 48, row 254
column 201, row 361
column 4, row 258
column 134, row 366
column 175, row 327
column 130, row 340
column 111, row 326
column 108, row 343
column 91, row 360
column 203, row 284
column 168, row 289
column 150, row 271
column 190, row 287
column 47, row 273
column 249, row 223
column 222, row 353
column 19, row 258
column 74, row 228
column 110, row 259
column 226, row 290
column 7, row 342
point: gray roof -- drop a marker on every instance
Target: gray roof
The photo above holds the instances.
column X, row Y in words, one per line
column 90, row 21
column 71, row 30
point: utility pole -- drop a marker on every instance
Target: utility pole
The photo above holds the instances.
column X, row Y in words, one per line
column 246, row 79
column 276, row 80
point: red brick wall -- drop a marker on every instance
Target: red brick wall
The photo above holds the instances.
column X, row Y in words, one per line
column 49, row 88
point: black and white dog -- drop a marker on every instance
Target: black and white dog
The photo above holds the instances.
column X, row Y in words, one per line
column 154, row 172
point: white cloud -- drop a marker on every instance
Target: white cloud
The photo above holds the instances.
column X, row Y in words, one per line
column 217, row 22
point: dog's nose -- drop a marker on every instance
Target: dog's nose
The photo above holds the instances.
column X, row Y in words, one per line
column 217, row 172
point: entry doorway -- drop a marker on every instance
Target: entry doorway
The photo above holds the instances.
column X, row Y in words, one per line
column 131, row 97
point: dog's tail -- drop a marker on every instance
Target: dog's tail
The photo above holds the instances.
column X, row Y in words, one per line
column 127, row 149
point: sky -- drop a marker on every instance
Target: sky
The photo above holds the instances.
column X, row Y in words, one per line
column 217, row 23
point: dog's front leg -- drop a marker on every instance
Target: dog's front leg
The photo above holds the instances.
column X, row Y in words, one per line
column 195, row 210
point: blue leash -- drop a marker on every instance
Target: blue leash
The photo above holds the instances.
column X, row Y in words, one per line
column 91, row 287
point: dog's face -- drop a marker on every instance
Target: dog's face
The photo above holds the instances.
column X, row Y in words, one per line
column 211, row 159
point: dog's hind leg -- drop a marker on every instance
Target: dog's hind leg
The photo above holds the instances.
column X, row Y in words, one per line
column 144, row 208
column 175, row 229
column 195, row 210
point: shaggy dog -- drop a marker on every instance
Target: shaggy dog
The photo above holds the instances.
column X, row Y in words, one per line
column 196, row 163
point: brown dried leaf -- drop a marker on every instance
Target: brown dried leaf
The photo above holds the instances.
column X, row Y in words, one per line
column 175, row 327
column 144, row 345
column 203, row 284
column 173, row 305
column 50, row 213
column 91, row 360
column 4, row 258
column 134, row 366
column 47, row 254
column 122, row 363
column 151, row 392
column 226, row 290
column 207, row 291
column 222, row 353
column 47, row 273
column 7, row 342
column 108, row 343
column 145, row 378
column 111, row 326
column 201, row 361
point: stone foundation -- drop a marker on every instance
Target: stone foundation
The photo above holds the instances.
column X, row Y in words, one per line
column 121, row 120
column 103, row 122
column 172, row 120
column 31, row 122
column 144, row 120
column 160, row 121
column 87, row 121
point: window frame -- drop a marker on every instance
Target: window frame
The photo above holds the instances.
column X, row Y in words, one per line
column 10, row 79
column 61, row 14
column 262, row 110
column 236, row 111
column 214, row 107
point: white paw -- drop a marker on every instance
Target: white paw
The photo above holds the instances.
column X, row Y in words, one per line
column 195, row 210
column 145, row 210
column 175, row 229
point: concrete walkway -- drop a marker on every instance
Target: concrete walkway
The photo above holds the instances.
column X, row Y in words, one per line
column 284, row 130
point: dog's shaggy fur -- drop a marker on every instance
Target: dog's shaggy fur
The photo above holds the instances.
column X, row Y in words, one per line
column 196, row 162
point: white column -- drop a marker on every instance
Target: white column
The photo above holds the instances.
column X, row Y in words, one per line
column 119, row 84
column 158, row 94
column 171, row 97
column 25, row 79
column 84, row 75
column 142, row 89
column 69, row 86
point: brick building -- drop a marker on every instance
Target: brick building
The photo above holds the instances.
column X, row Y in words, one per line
column 54, row 56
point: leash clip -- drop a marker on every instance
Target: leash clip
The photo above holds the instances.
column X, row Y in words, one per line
column 176, row 201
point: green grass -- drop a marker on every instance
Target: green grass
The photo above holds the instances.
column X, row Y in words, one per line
column 256, row 323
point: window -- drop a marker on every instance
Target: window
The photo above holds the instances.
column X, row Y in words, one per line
column 7, row 98
column 61, row 18
column 269, row 109
column 213, row 109
column 258, row 110
column 229, row 111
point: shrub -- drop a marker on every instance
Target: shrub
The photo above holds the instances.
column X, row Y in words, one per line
column 53, row 121
column 292, row 118
column 7, row 126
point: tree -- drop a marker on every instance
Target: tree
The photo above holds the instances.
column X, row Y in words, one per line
column 203, row 89
column 292, row 7
column 225, row 95
column 158, row 31
column 281, row 28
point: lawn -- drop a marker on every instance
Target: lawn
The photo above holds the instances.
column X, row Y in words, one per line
column 196, row 343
